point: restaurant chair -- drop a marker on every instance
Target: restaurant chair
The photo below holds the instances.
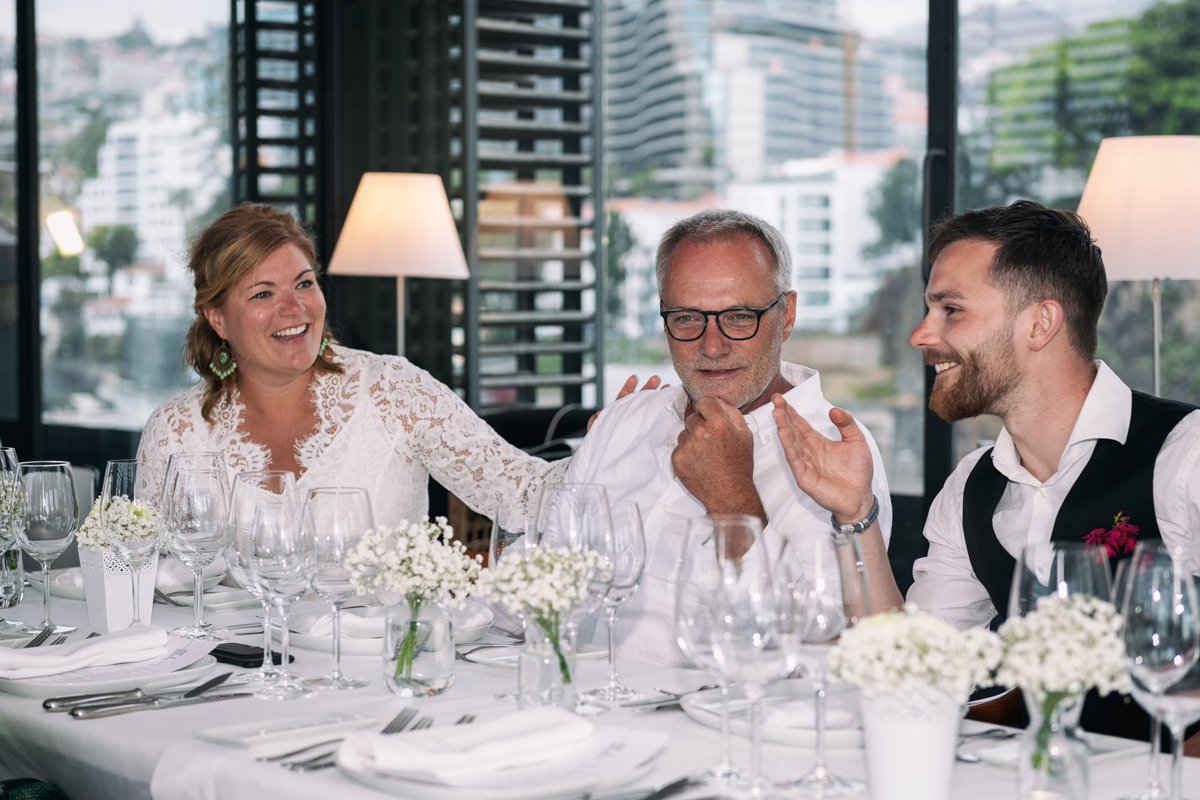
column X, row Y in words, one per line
column 30, row 789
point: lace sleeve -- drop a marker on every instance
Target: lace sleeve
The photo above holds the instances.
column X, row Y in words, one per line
column 459, row 449
column 156, row 444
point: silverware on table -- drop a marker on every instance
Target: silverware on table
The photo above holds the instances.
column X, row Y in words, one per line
column 130, row 695
column 39, row 639
column 329, row 758
column 112, row 709
column 163, row 597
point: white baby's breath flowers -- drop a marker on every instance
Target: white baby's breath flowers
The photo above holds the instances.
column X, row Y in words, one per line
column 10, row 501
column 419, row 560
column 548, row 582
column 1064, row 646
column 912, row 654
column 129, row 520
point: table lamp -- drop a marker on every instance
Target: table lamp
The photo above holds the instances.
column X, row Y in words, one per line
column 399, row 225
column 1142, row 202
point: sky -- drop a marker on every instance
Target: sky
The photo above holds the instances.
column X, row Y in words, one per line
column 167, row 21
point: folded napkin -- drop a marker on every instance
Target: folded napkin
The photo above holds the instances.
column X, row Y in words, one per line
column 138, row 643
column 462, row 753
column 173, row 574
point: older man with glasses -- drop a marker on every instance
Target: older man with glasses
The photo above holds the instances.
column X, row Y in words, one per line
column 711, row 446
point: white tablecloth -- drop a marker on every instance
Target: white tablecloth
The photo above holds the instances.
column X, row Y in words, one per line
column 153, row 753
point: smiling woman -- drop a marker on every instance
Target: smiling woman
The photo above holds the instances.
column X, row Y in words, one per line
column 279, row 393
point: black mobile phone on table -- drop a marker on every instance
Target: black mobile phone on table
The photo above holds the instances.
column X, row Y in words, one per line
column 238, row 654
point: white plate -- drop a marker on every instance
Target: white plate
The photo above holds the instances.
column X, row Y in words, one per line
column 182, row 591
column 373, row 646
column 1100, row 749
column 222, row 598
column 508, row 655
column 75, row 592
column 63, row 684
column 248, row 734
column 703, row 707
column 613, row 757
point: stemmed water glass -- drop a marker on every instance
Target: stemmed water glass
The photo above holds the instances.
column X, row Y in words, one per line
column 822, row 590
column 46, row 522
column 727, row 622
column 629, row 547
column 335, row 519
column 281, row 559
column 122, row 479
column 10, row 573
column 1162, row 645
column 1059, row 569
column 249, row 489
column 196, row 519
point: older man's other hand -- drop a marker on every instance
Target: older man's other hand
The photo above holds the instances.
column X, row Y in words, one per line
column 714, row 459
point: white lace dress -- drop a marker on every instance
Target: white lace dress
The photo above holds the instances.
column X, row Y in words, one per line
column 384, row 424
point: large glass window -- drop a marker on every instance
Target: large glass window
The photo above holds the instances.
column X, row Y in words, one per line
column 812, row 116
column 9, row 306
column 1041, row 83
column 134, row 158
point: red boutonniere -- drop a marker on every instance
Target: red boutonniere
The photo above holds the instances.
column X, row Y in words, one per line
column 1121, row 539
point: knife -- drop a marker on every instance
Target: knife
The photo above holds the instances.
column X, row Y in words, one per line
column 112, row 709
column 130, row 695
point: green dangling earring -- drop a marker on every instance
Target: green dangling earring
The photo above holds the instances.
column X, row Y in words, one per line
column 324, row 344
column 223, row 364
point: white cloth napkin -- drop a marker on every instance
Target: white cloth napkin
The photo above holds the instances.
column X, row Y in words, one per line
column 119, row 647
column 173, row 574
column 459, row 754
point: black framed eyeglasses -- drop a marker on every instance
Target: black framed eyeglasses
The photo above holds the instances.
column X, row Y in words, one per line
column 738, row 323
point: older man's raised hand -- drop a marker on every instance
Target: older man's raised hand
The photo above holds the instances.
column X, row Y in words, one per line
column 714, row 459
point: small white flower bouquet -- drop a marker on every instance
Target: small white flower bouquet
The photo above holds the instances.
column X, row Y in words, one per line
column 129, row 520
column 912, row 654
column 417, row 561
column 10, row 500
column 545, row 587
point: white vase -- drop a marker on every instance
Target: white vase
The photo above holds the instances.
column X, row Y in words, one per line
column 108, row 590
column 913, row 737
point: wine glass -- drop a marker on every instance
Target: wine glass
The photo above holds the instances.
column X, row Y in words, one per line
column 822, row 590
column 11, row 578
column 1162, row 645
column 47, row 519
column 196, row 518
column 1061, row 569
column 726, row 622
column 280, row 555
column 209, row 460
column 576, row 516
column 335, row 519
column 121, row 486
column 249, row 489
column 629, row 546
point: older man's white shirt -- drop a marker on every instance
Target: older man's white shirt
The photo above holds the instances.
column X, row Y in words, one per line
column 629, row 452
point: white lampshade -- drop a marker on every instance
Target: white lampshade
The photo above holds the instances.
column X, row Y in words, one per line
column 1142, row 202
column 399, row 225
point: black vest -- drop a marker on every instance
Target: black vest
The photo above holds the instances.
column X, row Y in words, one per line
column 1117, row 478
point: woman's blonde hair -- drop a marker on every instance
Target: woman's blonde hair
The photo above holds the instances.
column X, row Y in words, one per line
column 220, row 257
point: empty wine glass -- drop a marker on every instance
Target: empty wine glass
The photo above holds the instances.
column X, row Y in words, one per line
column 822, row 590
column 1162, row 644
column 11, row 577
column 1061, row 569
column 335, row 519
column 576, row 516
column 281, row 558
column 249, row 489
column 46, row 522
column 122, row 491
column 196, row 518
column 629, row 547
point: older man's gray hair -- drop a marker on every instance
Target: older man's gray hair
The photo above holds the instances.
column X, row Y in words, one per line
column 721, row 225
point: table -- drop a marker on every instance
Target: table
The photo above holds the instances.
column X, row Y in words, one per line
column 153, row 754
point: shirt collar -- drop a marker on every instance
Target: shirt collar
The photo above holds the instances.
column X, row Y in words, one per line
column 1105, row 415
column 805, row 394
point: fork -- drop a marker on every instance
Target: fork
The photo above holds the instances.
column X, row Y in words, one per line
column 60, row 640
column 398, row 724
column 465, row 719
column 162, row 596
column 40, row 638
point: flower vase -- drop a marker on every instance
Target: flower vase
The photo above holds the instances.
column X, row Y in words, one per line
column 546, row 669
column 418, row 649
column 1053, row 760
column 913, row 736
column 108, row 590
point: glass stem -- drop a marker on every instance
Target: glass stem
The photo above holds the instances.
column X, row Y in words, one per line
column 1177, row 734
column 268, row 665
column 46, row 621
column 137, row 593
column 726, row 757
column 1154, row 787
column 336, row 675
column 198, row 599
column 610, row 612
column 819, row 720
column 283, row 641
column 756, row 775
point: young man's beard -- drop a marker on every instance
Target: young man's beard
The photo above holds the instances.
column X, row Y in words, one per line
column 984, row 379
